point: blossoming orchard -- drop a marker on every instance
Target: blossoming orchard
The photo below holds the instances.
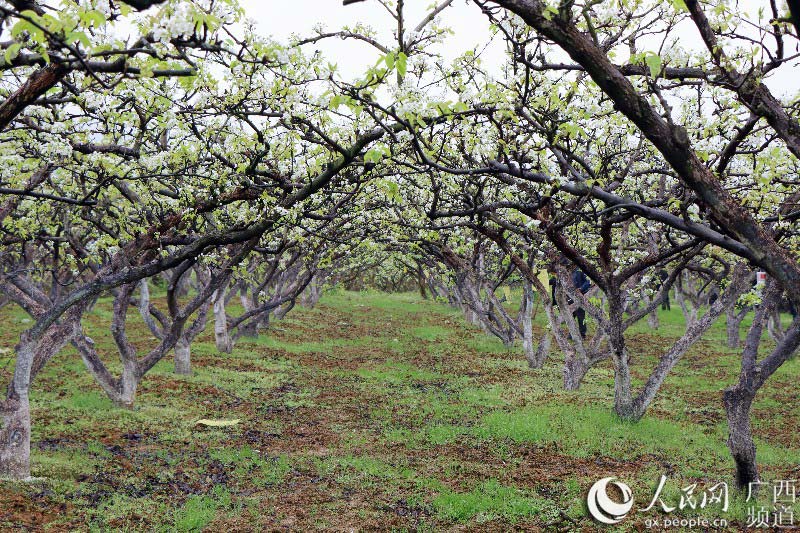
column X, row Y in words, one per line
column 399, row 265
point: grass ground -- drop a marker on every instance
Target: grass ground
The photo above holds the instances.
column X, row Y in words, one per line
column 376, row 411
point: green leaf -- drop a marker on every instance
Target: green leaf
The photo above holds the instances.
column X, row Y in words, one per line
column 549, row 12
column 402, row 64
column 653, row 61
column 93, row 17
column 79, row 36
column 23, row 26
column 335, row 101
column 12, row 52
column 376, row 154
column 389, row 60
column 392, row 190
column 679, row 5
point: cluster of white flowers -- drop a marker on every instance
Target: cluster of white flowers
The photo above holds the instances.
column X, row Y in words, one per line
column 413, row 36
column 282, row 55
column 284, row 167
column 506, row 26
column 56, row 149
column 94, row 100
column 404, row 136
column 10, row 165
column 155, row 161
column 560, row 179
column 469, row 94
column 179, row 23
column 485, row 150
column 102, row 6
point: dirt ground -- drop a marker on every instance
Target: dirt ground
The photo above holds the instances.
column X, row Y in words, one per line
column 371, row 413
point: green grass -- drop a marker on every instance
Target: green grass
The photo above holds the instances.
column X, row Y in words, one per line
column 200, row 510
column 486, row 502
column 90, row 401
column 395, row 373
column 374, row 411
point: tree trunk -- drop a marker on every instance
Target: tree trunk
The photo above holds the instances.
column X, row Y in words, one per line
column 15, row 437
column 144, row 309
column 542, row 351
column 576, row 359
column 627, row 408
column 183, row 356
column 469, row 314
column 35, row 86
column 738, row 399
column 122, row 391
column 624, row 405
column 733, row 322
column 421, row 283
column 623, row 395
column 527, row 342
column 688, row 307
column 652, row 319
column 222, row 337
column 634, row 409
column 279, row 313
column 316, row 293
column 737, row 402
column 310, row 296
column 15, row 412
column 535, row 355
column 248, row 329
column 575, row 370
column 125, row 395
column 774, row 326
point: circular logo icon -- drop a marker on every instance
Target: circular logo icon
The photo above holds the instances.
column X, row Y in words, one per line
column 604, row 509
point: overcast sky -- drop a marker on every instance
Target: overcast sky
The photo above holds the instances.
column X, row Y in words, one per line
column 470, row 26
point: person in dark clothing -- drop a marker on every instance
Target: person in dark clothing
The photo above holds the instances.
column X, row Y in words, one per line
column 713, row 297
column 664, row 276
column 581, row 282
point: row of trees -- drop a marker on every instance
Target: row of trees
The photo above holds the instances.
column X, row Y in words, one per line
column 231, row 166
column 195, row 151
column 608, row 143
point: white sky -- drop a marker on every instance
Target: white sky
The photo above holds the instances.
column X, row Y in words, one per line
column 469, row 24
